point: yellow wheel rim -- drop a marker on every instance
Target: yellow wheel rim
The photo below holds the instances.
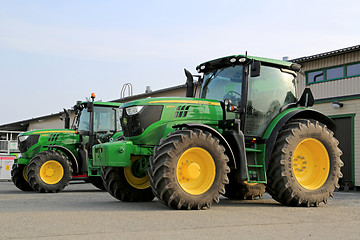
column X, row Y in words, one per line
column 51, row 172
column 311, row 164
column 136, row 182
column 24, row 173
column 195, row 171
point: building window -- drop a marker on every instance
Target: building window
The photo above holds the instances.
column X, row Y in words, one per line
column 353, row 70
column 315, row 76
column 333, row 73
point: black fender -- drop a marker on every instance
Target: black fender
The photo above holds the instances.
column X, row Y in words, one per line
column 69, row 154
column 228, row 150
column 296, row 114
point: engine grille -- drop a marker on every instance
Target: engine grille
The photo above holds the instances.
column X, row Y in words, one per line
column 30, row 141
column 134, row 125
column 182, row 111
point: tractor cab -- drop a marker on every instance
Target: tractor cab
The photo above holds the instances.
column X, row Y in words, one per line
column 98, row 119
column 104, row 115
column 252, row 92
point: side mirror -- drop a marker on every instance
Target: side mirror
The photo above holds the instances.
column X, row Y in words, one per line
column 255, row 69
column 90, row 106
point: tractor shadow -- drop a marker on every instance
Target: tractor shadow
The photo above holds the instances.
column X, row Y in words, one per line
column 156, row 205
column 267, row 202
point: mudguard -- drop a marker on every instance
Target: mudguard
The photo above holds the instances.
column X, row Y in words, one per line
column 272, row 131
column 223, row 141
column 69, row 154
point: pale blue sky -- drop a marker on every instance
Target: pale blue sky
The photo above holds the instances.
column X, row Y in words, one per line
column 53, row 53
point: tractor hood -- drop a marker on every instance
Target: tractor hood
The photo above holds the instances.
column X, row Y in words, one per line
column 32, row 142
column 155, row 117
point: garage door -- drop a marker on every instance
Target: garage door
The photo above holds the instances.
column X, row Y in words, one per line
column 344, row 133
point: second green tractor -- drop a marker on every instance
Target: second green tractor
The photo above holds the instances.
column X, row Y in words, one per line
column 248, row 130
column 50, row 158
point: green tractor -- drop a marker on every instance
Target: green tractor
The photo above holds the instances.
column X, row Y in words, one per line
column 50, row 158
column 247, row 130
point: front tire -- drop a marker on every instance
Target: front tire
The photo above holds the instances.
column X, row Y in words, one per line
column 124, row 184
column 49, row 172
column 304, row 169
column 19, row 178
column 189, row 170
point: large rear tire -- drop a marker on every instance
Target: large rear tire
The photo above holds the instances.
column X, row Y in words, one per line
column 124, row 184
column 242, row 190
column 49, row 172
column 189, row 170
column 19, row 178
column 304, row 169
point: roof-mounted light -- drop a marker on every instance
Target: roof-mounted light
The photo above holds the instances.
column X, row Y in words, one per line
column 232, row 60
column 242, row 60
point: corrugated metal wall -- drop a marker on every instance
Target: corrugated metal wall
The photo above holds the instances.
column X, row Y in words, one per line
column 336, row 88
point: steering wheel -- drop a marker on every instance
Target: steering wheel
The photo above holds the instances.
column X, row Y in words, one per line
column 233, row 96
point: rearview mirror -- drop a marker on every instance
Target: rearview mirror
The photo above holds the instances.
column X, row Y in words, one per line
column 90, row 106
column 255, row 69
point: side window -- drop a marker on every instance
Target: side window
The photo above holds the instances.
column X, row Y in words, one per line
column 266, row 95
column 104, row 119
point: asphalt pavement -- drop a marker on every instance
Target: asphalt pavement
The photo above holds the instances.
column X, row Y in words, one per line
column 83, row 212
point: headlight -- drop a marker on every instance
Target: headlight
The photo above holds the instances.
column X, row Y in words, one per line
column 23, row 138
column 133, row 110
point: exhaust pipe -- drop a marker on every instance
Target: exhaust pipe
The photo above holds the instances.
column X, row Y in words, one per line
column 67, row 119
column 189, row 84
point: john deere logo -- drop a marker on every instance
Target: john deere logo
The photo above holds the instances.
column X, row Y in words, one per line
column 124, row 121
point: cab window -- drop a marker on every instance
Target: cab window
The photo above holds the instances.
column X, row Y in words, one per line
column 267, row 93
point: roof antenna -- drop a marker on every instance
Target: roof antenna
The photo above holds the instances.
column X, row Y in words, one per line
column 245, row 54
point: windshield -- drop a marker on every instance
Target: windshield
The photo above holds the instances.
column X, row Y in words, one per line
column 104, row 120
column 223, row 83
